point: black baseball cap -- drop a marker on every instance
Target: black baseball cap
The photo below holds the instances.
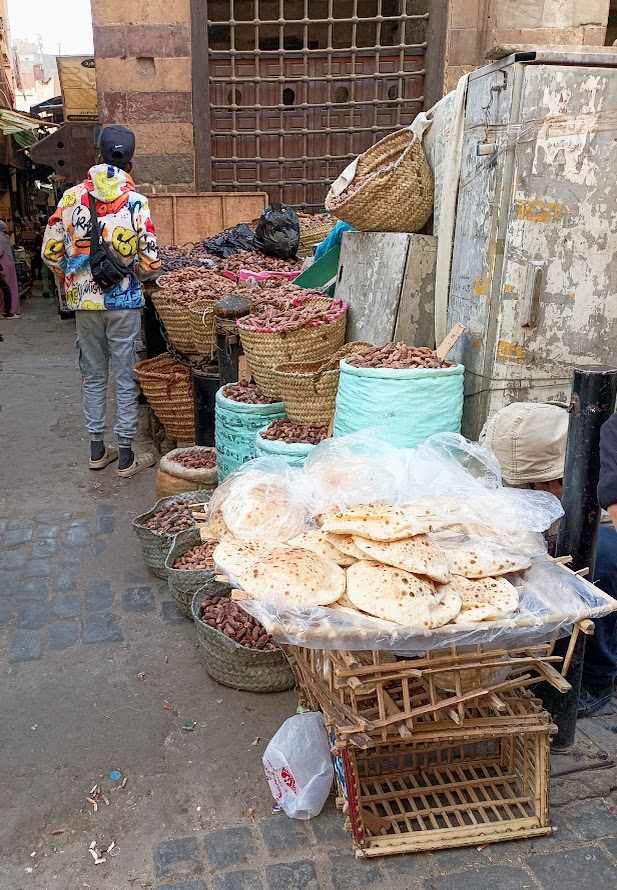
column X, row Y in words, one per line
column 117, row 145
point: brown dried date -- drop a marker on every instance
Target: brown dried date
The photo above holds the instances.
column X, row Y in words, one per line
column 295, row 433
column 254, row 261
column 172, row 518
column 397, row 355
column 197, row 558
column 247, row 393
column 196, row 459
column 228, row 618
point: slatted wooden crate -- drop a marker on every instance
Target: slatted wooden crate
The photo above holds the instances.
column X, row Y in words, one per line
column 372, row 697
column 430, row 795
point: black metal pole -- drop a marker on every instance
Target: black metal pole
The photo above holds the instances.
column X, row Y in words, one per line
column 204, row 391
column 594, row 390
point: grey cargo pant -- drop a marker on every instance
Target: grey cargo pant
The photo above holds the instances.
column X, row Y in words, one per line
column 99, row 334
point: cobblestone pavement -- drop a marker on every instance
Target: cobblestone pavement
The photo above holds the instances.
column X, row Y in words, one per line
column 81, row 617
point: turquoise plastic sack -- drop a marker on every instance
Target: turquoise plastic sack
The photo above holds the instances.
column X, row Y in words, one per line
column 235, row 427
column 293, row 453
column 406, row 405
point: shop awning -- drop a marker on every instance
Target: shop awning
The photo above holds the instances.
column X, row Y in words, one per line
column 23, row 128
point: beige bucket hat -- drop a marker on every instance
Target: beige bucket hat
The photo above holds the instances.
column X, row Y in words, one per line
column 529, row 441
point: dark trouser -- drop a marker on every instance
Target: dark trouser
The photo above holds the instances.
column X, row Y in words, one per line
column 36, row 265
column 600, row 667
column 6, row 294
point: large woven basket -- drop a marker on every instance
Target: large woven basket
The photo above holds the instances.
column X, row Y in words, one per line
column 265, row 350
column 312, row 235
column 238, row 666
column 175, row 317
column 168, row 386
column 308, row 390
column 201, row 321
column 155, row 545
column 183, row 583
column 392, row 190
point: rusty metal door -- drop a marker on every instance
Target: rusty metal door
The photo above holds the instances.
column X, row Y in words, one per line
column 298, row 88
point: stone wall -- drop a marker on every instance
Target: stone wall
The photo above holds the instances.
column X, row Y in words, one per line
column 143, row 73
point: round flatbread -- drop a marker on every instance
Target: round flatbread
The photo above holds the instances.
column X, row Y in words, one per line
column 258, row 506
column 234, row 557
column 485, row 599
column 394, row 595
column 484, row 562
column 294, row 575
column 418, row 555
column 379, row 522
column 320, row 543
column 346, row 545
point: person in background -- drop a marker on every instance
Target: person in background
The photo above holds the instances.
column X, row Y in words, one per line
column 108, row 321
column 12, row 308
column 36, row 261
column 529, row 440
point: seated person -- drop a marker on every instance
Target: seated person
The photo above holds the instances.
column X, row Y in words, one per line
column 529, row 441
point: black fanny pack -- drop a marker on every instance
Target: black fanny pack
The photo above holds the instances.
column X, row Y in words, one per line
column 106, row 269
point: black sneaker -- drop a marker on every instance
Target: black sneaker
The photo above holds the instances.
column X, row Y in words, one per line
column 593, row 698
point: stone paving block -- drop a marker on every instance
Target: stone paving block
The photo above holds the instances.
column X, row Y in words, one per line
column 102, row 627
column 171, row 614
column 348, row 871
column 63, row 634
column 78, row 537
column 9, row 582
column 45, row 547
column 6, row 611
column 176, row 858
column 229, row 846
column 328, row 828
column 17, row 537
column 495, row 878
column 3, row 523
column 398, row 869
column 38, row 568
column 294, row 876
column 27, row 645
column 102, row 509
column 65, row 581
column 80, row 523
column 100, row 546
column 105, row 525
column 132, row 578
column 32, row 616
column 33, row 589
column 99, row 595
column 47, row 531
column 19, row 523
column 238, row 880
column 138, row 599
column 50, row 518
column 71, row 558
column 450, row 860
column 592, row 819
column 611, row 845
column 185, row 885
column 13, row 559
column 586, row 868
column 66, row 605
column 283, row 835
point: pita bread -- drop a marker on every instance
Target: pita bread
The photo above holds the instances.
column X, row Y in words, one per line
column 294, row 575
column 378, row 522
column 235, row 557
column 394, row 595
column 319, row 542
column 418, row 555
column 259, row 506
column 346, row 545
column 484, row 562
column 485, row 599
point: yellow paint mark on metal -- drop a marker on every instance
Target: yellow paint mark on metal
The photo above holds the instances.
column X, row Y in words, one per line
column 481, row 286
column 538, row 211
column 511, row 352
column 477, row 343
column 509, row 289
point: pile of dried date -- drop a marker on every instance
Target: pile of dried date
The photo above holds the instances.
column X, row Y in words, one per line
column 172, row 518
column 197, row 558
column 295, row 433
column 196, row 283
column 283, row 321
column 193, row 459
column 397, row 355
column 247, row 393
column 254, row 261
column 224, row 615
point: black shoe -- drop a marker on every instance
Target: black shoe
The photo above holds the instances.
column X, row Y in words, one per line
column 593, row 698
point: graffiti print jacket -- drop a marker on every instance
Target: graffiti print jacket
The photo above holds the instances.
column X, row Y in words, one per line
column 124, row 219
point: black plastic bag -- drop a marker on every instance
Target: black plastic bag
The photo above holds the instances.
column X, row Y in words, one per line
column 278, row 232
column 241, row 237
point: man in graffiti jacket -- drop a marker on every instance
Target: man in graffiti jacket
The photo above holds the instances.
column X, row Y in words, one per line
column 108, row 322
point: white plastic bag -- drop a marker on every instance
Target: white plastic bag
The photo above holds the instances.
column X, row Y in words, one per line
column 299, row 767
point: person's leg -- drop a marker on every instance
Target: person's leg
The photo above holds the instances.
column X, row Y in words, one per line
column 47, row 279
column 94, row 366
column 124, row 336
column 600, row 665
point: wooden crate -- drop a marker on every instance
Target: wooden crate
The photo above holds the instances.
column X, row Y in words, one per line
column 373, row 697
column 431, row 795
